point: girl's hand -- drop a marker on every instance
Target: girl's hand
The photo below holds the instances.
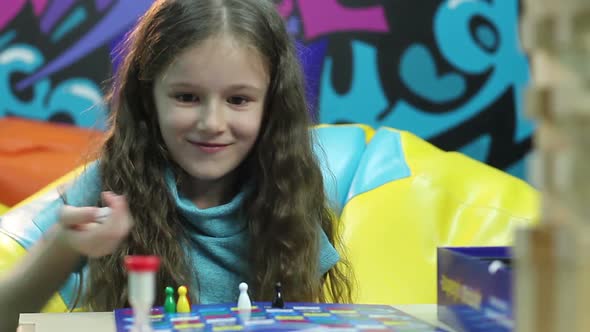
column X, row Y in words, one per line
column 81, row 231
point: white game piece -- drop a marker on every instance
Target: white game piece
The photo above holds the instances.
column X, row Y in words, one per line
column 244, row 300
column 141, row 283
column 102, row 214
column 495, row 266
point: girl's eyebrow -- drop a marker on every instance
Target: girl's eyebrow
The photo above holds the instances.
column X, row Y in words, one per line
column 244, row 86
column 183, row 85
column 239, row 86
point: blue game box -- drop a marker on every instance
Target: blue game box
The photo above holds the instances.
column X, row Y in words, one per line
column 474, row 288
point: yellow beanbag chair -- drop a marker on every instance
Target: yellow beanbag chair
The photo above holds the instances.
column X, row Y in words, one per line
column 3, row 209
column 398, row 198
column 11, row 250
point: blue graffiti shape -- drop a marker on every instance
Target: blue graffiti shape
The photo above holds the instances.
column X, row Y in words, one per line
column 80, row 99
column 484, row 33
column 490, row 43
column 475, row 39
column 116, row 21
column 418, row 71
column 77, row 99
column 365, row 97
column 7, row 37
column 73, row 20
column 312, row 56
column 479, row 36
column 20, row 58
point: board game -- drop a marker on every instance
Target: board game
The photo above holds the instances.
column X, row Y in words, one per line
column 293, row 317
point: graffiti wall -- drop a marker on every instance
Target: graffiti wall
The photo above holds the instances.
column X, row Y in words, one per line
column 55, row 54
column 451, row 71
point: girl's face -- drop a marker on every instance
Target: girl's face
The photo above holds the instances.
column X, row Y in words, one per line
column 210, row 103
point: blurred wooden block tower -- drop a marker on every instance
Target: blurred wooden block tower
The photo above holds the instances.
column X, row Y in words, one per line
column 552, row 260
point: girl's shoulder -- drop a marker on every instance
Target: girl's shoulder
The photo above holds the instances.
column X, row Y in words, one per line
column 84, row 187
column 329, row 256
column 29, row 220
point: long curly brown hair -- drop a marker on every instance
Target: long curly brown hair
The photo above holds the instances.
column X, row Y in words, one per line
column 287, row 209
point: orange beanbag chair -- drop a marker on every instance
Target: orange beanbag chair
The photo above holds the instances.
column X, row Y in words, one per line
column 34, row 153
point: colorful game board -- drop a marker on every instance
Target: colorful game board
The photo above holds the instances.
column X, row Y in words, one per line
column 294, row 317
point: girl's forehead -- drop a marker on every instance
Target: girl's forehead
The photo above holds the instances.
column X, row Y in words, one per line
column 220, row 57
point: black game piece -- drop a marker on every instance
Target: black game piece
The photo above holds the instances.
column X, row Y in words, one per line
column 277, row 301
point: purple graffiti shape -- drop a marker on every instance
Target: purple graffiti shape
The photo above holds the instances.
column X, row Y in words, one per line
column 55, row 11
column 328, row 16
column 102, row 4
column 285, row 8
column 8, row 10
column 123, row 14
column 39, row 6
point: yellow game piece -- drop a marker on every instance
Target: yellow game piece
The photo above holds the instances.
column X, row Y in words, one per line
column 182, row 305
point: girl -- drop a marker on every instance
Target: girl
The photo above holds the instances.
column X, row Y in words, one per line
column 210, row 150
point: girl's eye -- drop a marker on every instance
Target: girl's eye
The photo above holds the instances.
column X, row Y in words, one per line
column 186, row 98
column 237, row 100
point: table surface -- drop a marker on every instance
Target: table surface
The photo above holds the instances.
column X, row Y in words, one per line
column 105, row 321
